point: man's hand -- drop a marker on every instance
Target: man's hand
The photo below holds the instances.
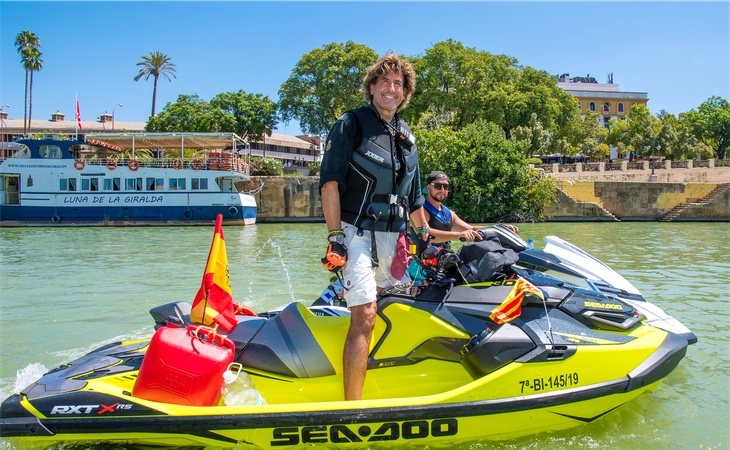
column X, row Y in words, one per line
column 470, row 236
column 336, row 255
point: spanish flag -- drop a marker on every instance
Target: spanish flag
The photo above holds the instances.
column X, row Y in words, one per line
column 511, row 307
column 214, row 301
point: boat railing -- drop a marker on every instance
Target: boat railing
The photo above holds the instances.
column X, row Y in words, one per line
column 232, row 164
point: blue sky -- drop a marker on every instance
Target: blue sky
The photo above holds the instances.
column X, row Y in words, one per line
column 679, row 53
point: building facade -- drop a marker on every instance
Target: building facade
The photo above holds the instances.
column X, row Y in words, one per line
column 608, row 100
column 12, row 129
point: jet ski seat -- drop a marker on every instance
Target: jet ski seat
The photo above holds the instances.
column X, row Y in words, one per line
column 285, row 345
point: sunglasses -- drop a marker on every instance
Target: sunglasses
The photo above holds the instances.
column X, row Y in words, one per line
column 444, row 186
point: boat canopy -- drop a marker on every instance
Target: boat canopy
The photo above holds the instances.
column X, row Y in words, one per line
column 124, row 141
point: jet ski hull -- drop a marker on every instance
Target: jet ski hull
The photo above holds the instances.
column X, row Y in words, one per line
column 531, row 394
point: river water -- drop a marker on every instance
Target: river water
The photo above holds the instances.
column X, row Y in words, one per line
column 65, row 291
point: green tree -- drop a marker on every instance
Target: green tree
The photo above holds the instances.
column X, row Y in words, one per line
column 255, row 114
column 489, row 173
column 193, row 114
column 458, row 85
column 324, row 84
column 586, row 136
column 33, row 63
column 27, row 41
column 461, row 83
column 153, row 65
column 641, row 131
column 265, row 166
column 534, row 137
column 711, row 124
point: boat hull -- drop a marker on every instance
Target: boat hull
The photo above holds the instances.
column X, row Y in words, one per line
column 22, row 216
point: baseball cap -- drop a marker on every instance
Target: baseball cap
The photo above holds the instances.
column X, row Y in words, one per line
column 437, row 175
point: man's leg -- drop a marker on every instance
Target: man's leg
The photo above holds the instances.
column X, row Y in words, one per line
column 357, row 347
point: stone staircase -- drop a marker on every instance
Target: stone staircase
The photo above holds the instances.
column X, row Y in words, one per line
column 576, row 210
column 675, row 212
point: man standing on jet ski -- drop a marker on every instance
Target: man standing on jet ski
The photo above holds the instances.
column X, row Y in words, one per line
column 370, row 187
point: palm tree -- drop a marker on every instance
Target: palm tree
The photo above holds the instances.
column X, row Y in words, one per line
column 154, row 65
column 26, row 39
column 33, row 63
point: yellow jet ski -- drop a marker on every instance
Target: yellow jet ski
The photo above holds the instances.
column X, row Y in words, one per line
column 448, row 363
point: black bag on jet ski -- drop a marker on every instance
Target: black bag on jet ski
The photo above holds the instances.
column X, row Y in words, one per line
column 485, row 260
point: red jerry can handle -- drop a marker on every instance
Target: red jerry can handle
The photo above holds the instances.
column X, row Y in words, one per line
column 210, row 335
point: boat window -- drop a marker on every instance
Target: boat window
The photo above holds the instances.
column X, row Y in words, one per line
column 50, row 151
column 72, row 184
column 84, row 184
column 177, row 184
column 116, row 184
column 63, row 184
column 199, row 184
column 133, row 184
column 155, row 184
column 94, row 184
column 22, row 152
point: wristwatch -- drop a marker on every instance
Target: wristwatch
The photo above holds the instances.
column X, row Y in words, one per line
column 336, row 237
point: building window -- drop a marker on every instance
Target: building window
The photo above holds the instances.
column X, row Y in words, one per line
column 620, row 108
column 606, row 108
column 592, row 106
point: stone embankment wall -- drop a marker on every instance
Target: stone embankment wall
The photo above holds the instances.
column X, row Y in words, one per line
column 286, row 199
column 604, row 200
column 297, row 199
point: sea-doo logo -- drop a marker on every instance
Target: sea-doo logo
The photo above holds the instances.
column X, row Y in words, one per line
column 88, row 409
column 602, row 305
column 388, row 431
column 372, row 155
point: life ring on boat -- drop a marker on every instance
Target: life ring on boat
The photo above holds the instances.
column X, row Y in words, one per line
column 55, row 218
column 133, row 165
column 188, row 214
column 177, row 164
column 79, row 164
column 233, row 210
column 111, row 163
column 197, row 164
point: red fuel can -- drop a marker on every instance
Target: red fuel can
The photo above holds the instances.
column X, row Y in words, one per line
column 184, row 366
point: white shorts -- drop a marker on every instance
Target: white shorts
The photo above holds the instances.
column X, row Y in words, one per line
column 362, row 280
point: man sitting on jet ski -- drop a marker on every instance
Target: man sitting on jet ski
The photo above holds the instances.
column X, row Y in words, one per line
column 445, row 225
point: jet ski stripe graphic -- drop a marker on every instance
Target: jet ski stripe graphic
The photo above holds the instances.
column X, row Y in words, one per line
column 197, row 425
column 588, row 419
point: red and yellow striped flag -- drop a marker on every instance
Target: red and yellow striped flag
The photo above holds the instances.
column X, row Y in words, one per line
column 511, row 307
column 214, row 301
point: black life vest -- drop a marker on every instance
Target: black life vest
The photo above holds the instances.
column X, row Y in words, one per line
column 376, row 198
